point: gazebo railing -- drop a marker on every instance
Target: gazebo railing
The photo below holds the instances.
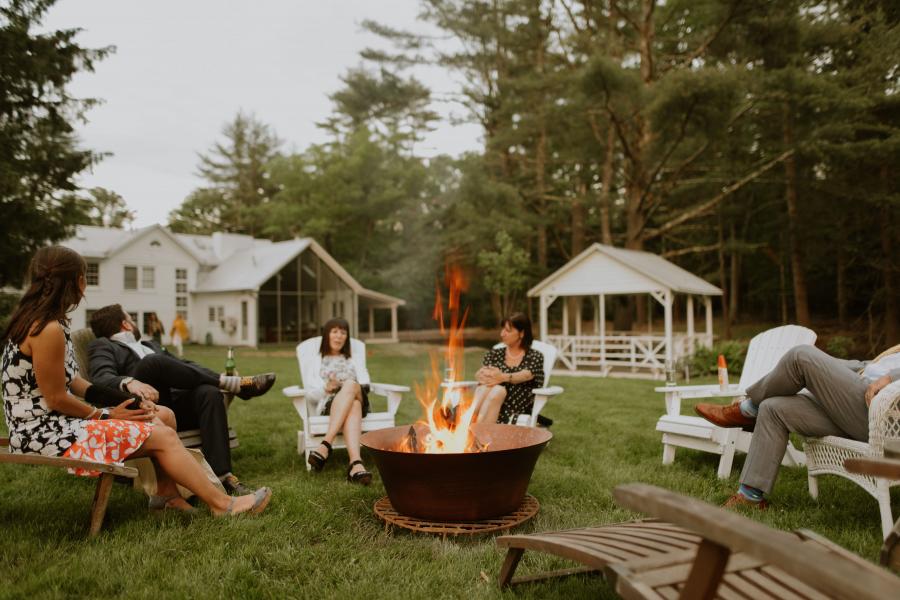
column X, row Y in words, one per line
column 632, row 351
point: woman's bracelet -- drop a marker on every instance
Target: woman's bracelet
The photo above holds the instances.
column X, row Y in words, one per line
column 93, row 413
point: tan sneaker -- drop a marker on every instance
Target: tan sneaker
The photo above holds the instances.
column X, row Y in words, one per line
column 740, row 500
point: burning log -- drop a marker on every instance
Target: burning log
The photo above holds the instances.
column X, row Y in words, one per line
column 412, row 440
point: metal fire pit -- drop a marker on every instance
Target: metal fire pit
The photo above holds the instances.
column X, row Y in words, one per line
column 458, row 487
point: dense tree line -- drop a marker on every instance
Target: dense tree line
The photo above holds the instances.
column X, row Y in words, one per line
column 752, row 142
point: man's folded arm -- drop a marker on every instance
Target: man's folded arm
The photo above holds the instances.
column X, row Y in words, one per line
column 102, row 359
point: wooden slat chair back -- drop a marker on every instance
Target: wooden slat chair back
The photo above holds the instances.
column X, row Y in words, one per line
column 189, row 437
column 741, row 558
column 693, row 550
column 688, row 431
column 315, row 426
column 104, row 481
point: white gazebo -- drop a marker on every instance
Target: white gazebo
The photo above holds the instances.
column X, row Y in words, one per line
column 602, row 271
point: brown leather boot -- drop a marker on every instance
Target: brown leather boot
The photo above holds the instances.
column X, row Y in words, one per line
column 724, row 416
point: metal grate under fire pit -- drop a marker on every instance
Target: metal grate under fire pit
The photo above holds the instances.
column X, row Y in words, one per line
column 385, row 511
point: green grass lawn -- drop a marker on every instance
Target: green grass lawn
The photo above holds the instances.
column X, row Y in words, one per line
column 320, row 538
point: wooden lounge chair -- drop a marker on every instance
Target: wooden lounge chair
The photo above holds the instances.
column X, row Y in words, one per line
column 727, row 555
column 104, row 482
column 315, row 426
column 889, row 469
column 696, row 433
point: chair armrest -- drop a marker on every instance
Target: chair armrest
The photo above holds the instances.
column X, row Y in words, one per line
column 294, row 391
column 700, row 391
column 382, row 389
column 459, row 384
column 394, row 394
column 811, row 564
column 553, row 390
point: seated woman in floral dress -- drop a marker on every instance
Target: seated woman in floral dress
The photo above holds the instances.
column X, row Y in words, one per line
column 510, row 374
column 40, row 382
column 341, row 398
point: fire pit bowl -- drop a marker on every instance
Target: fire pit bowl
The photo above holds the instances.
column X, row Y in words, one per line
column 470, row 486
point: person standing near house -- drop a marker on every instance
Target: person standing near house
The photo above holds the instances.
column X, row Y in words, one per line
column 119, row 359
column 155, row 328
column 179, row 333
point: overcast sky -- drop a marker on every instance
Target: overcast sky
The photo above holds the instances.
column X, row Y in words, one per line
column 182, row 69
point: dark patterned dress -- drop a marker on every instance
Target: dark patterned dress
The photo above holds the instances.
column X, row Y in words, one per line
column 36, row 429
column 519, row 396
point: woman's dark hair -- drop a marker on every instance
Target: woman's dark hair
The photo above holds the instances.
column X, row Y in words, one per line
column 107, row 321
column 336, row 323
column 53, row 291
column 520, row 322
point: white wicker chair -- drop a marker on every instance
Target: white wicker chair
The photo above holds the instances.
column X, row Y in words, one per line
column 826, row 455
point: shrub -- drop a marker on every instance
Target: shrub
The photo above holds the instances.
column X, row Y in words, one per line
column 839, row 346
column 705, row 360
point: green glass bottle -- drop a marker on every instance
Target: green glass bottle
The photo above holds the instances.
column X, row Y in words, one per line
column 229, row 362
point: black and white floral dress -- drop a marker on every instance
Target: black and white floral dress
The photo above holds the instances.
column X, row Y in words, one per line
column 341, row 369
column 519, row 396
column 33, row 427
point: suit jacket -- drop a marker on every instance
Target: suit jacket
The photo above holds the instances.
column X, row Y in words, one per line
column 111, row 361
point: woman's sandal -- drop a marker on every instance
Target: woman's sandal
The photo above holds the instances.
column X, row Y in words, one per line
column 317, row 460
column 160, row 504
column 362, row 477
column 260, row 502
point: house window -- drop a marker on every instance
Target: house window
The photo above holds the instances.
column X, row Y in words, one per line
column 133, row 316
column 220, row 312
column 92, row 275
column 180, row 287
column 181, row 301
column 148, row 278
column 212, row 314
column 88, row 313
column 181, row 274
column 182, row 314
column 130, row 278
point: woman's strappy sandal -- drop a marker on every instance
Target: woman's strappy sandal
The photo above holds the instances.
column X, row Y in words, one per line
column 317, row 460
column 361, row 477
column 261, row 499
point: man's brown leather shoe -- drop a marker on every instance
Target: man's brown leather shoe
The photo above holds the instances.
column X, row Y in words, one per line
column 255, row 385
column 724, row 416
column 740, row 500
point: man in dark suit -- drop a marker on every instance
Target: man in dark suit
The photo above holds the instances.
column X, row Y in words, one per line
column 120, row 360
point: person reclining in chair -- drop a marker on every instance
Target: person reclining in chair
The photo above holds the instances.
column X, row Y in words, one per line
column 119, row 359
column 837, row 401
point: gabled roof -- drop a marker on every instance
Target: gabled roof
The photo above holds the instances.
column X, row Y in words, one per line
column 655, row 268
column 91, row 241
column 250, row 269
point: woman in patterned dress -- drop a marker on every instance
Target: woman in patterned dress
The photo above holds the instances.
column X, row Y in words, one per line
column 509, row 374
column 40, row 382
column 342, row 399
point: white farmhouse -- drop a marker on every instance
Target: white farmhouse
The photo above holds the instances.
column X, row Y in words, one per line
column 230, row 288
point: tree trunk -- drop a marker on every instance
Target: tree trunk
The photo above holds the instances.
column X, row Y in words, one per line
column 607, row 182
column 735, row 278
column 889, row 273
column 801, row 304
column 840, row 268
column 723, row 282
column 578, row 220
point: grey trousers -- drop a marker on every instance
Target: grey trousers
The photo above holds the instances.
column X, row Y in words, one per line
column 835, row 405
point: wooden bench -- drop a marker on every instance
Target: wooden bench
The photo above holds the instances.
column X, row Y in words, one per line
column 888, row 468
column 104, row 482
column 696, row 550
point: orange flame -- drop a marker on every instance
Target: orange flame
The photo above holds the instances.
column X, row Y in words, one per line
column 449, row 419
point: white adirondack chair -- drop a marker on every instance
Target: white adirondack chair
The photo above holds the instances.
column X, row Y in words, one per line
column 826, row 455
column 764, row 352
column 541, row 394
column 315, row 426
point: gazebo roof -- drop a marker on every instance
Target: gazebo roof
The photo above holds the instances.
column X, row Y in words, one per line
column 603, row 269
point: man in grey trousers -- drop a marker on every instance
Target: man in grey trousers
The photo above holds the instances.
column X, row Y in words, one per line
column 836, row 402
